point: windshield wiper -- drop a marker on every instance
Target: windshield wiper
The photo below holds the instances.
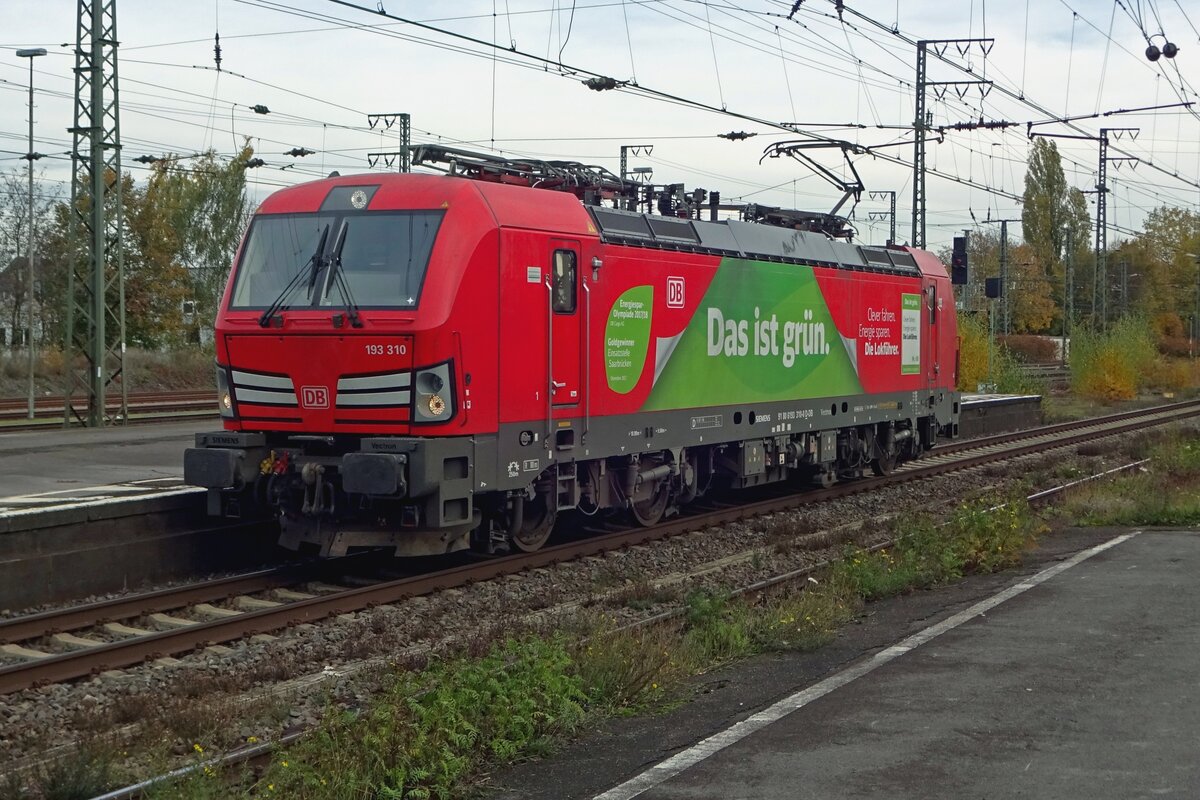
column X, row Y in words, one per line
column 335, row 275
column 314, row 261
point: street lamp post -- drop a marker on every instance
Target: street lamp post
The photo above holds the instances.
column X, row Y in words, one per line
column 31, row 156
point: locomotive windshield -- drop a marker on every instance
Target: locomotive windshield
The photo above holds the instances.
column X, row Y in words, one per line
column 383, row 259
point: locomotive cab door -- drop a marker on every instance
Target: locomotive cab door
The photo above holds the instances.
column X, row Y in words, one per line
column 932, row 332
column 565, row 311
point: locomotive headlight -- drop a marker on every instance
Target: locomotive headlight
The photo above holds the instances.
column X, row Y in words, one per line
column 224, row 394
column 433, row 393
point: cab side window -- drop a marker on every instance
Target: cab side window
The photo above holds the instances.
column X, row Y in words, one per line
column 564, row 282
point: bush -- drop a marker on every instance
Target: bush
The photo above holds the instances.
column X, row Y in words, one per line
column 972, row 352
column 1114, row 365
column 1168, row 375
column 976, row 365
column 1167, row 325
column 1177, row 346
column 1031, row 349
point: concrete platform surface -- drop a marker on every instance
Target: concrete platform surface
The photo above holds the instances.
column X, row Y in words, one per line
column 43, row 469
column 1079, row 681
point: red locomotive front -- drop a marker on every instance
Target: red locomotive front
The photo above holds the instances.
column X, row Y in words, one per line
column 426, row 362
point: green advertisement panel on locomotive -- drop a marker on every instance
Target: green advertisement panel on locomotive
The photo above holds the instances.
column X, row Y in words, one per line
column 761, row 333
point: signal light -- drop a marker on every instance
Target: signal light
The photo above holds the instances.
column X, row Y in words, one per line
column 958, row 261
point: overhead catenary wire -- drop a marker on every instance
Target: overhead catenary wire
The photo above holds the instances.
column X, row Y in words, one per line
column 967, row 156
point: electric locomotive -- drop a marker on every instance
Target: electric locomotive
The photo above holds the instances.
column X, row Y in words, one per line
column 429, row 362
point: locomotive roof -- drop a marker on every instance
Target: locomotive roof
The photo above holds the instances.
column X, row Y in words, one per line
column 561, row 212
column 750, row 240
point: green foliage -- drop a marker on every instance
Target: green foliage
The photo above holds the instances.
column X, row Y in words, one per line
column 206, row 206
column 980, row 537
column 715, row 628
column 1166, row 272
column 180, row 231
column 432, row 728
column 624, row 672
column 1051, row 207
column 806, row 619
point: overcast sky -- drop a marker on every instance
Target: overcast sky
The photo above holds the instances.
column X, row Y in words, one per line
column 321, row 67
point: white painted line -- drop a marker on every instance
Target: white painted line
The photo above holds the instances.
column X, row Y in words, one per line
column 665, row 770
column 61, row 504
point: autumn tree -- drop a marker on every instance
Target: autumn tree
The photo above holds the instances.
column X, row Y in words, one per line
column 1031, row 296
column 180, row 230
column 207, row 207
column 1170, row 246
column 156, row 282
column 1052, row 213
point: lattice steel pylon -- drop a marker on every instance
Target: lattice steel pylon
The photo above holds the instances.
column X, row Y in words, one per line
column 95, row 335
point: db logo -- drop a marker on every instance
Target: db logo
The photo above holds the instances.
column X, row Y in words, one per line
column 314, row 397
column 674, row 292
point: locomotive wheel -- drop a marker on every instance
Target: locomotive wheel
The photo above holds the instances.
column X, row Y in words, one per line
column 883, row 466
column 825, row 479
column 649, row 511
column 536, row 524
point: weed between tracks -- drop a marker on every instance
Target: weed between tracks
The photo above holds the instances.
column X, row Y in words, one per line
column 1165, row 492
column 435, row 731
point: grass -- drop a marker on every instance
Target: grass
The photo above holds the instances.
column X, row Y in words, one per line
column 89, row 773
column 1165, row 492
column 435, row 732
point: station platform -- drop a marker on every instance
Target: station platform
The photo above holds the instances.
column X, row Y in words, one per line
column 90, row 511
column 1075, row 676
column 989, row 414
column 54, row 468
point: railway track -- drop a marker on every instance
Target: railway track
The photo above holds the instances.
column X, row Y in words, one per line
column 139, row 627
column 143, row 407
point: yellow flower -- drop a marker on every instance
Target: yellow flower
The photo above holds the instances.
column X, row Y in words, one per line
column 654, row 686
column 284, row 763
column 197, row 748
column 270, row 787
column 251, row 739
